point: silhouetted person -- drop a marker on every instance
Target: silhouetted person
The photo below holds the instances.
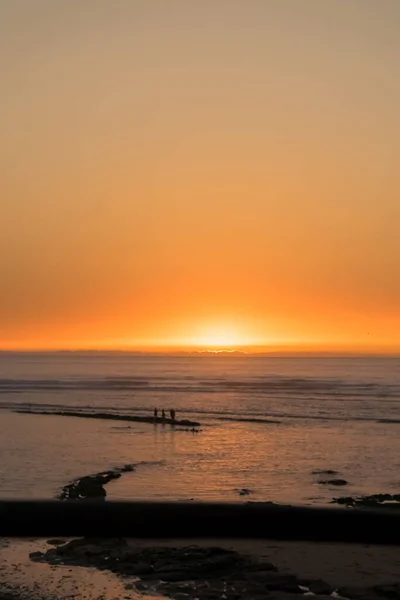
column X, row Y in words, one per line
column 173, row 413
column 163, row 414
column 155, row 413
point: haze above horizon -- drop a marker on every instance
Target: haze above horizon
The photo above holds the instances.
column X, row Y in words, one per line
column 210, row 175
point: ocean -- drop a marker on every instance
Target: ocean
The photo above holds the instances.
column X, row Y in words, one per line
column 268, row 425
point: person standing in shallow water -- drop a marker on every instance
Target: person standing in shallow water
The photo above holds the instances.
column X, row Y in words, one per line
column 173, row 414
column 155, row 413
column 163, row 414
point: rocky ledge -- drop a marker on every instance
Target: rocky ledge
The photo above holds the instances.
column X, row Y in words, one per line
column 192, row 572
column 91, row 486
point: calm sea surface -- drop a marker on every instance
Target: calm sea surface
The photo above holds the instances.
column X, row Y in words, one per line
column 341, row 414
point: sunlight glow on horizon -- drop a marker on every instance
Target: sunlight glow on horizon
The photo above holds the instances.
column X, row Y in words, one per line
column 220, row 336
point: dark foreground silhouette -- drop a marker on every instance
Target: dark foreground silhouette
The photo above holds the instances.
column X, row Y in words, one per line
column 113, row 417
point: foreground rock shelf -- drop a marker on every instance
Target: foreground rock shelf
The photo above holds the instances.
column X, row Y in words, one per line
column 112, row 417
column 205, row 573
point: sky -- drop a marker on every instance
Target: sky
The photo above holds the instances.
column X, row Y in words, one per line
column 200, row 174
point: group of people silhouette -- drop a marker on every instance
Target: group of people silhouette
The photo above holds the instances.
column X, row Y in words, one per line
column 172, row 414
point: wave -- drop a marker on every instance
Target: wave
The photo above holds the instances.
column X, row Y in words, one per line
column 248, row 420
column 275, row 386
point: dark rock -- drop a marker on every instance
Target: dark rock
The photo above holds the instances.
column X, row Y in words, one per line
column 213, row 551
column 346, row 500
column 356, row 593
column 325, row 472
column 182, row 587
column 91, row 547
column 244, row 492
column 127, row 469
column 261, row 566
column 91, row 486
column 276, row 581
column 55, row 542
column 189, row 563
column 333, row 482
column 142, row 568
column 266, row 502
column 279, row 595
column 141, row 586
column 391, row 591
column 36, row 556
column 317, row 586
column 173, row 576
column 255, row 588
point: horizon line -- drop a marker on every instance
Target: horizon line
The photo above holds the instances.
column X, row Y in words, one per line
column 201, row 353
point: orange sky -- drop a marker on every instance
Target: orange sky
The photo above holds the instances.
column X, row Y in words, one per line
column 200, row 173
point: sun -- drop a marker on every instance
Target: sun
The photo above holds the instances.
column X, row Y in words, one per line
column 220, row 337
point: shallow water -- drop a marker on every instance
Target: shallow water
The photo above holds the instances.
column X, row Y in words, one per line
column 334, row 414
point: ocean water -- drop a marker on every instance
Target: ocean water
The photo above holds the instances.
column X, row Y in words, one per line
column 267, row 425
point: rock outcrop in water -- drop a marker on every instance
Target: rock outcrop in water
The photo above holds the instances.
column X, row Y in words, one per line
column 388, row 501
column 337, row 482
column 325, row 472
column 113, row 417
column 91, row 486
column 244, row 492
